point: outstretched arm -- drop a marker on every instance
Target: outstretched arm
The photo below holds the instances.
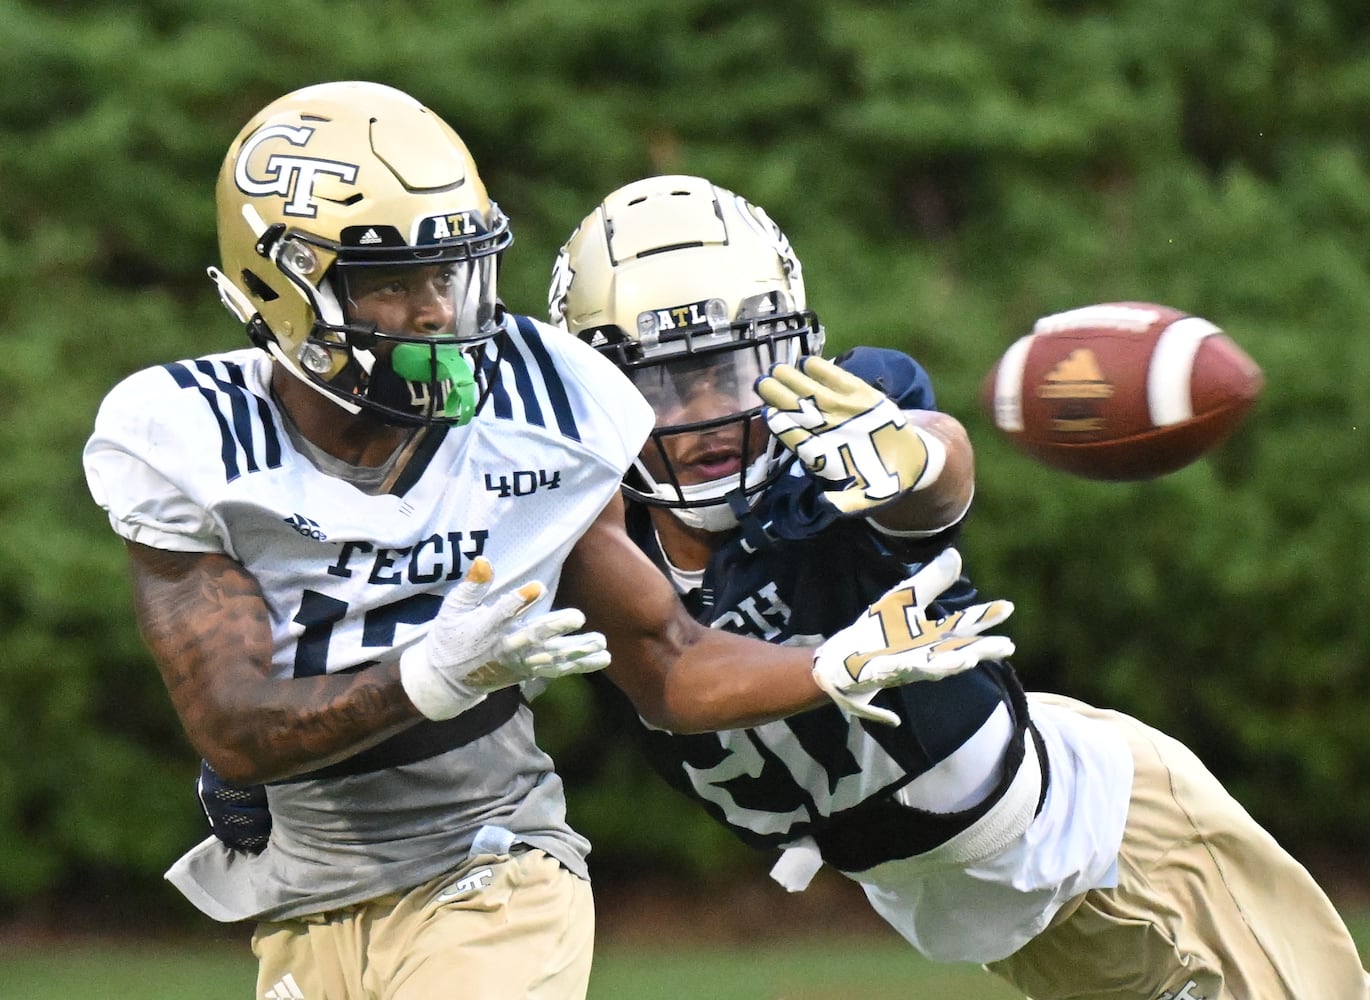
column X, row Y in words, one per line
column 684, row 677
column 679, row 674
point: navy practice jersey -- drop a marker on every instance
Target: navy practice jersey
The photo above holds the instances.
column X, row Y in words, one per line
column 795, row 574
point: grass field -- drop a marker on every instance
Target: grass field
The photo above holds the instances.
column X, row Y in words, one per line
column 806, row 969
column 775, row 972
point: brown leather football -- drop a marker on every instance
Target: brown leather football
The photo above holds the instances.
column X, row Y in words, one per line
column 1120, row 390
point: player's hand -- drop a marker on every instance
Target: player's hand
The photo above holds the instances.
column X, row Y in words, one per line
column 895, row 642
column 238, row 817
column 474, row 647
column 849, row 434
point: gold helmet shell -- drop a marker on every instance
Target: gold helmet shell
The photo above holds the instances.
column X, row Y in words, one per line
column 671, row 277
column 344, row 175
column 661, row 242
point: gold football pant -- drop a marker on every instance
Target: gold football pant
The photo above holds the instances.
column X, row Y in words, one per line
column 1207, row 907
column 499, row 928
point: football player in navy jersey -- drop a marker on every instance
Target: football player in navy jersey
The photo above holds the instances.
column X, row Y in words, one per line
column 339, row 538
column 1075, row 851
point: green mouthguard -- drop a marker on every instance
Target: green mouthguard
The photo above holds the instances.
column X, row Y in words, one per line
column 446, row 363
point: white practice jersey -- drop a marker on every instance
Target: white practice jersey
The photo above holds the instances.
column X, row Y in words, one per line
column 195, row 456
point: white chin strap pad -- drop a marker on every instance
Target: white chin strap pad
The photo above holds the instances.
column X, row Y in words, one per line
column 712, row 517
column 715, row 518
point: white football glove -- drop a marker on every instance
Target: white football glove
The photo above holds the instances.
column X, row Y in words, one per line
column 895, row 642
column 846, row 431
column 473, row 648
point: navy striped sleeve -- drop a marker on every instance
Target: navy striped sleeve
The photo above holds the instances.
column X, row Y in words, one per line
column 556, row 388
column 236, row 437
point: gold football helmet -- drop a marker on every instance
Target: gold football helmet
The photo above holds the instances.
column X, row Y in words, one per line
column 349, row 186
column 694, row 293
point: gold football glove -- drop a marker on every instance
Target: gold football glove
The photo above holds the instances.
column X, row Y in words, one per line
column 849, row 434
column 895, row 642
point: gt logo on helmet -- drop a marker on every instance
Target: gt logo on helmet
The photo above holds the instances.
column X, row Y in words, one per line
column 290, row 177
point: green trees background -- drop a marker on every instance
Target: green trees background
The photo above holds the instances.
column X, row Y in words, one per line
column 948, row 171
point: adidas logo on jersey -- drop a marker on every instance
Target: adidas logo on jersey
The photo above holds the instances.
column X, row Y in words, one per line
column 306, row 526
column 1077, row 376
column 285, row 989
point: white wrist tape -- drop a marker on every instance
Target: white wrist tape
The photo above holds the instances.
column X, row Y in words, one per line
column 435, row 696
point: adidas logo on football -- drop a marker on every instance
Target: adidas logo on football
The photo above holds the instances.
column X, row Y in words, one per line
column 369, row 237
column 285, row 989
column 1076, row 377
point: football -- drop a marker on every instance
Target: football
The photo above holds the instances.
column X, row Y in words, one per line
column 1120, row 390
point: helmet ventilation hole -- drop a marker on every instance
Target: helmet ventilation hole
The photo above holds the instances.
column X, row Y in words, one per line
column 259, row 288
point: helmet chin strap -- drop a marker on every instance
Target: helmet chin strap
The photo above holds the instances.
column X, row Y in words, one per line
column 721, row 515
column 295, row 370
column 713, row 519
column 426, row 363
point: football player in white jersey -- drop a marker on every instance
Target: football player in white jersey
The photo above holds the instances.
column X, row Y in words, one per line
column 352, row 542
column 1077, row 852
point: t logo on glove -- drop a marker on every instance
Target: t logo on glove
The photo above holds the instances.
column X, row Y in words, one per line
column 846, row 431
column 904, row 627
column 895, row 642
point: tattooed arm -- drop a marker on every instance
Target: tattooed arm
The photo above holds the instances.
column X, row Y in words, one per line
column 205, row 621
